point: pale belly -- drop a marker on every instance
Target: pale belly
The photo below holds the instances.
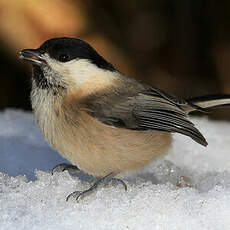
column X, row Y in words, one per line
column 99, row 149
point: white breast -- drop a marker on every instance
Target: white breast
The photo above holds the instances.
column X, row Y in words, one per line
column 43, row 102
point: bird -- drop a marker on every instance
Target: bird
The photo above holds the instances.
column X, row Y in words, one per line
column 103, row 122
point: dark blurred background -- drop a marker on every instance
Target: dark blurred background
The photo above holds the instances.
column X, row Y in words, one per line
column 180, row 46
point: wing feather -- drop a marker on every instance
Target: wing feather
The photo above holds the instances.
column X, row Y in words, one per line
column 150, row 109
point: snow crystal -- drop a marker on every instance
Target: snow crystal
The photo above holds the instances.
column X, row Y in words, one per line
column 187, row 189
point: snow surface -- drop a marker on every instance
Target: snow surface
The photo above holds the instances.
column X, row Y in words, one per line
column 188, row 189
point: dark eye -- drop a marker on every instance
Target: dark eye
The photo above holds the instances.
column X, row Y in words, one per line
column 64, row 57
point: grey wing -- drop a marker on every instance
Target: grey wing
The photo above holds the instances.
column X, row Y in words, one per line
column 152, row 112
column 149, row 110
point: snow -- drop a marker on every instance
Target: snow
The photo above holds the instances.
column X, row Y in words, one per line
column 22, row 146
column 187, row 189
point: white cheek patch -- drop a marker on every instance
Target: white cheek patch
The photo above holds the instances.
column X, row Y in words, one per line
column 80, row 72
column 86, row 74
column 55, row 65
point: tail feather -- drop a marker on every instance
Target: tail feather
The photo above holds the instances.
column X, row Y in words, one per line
column 205, row 103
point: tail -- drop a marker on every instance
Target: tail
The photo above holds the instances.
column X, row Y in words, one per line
column 205, row 103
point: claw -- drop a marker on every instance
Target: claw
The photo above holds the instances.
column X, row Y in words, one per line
column 105, row 180
column 115, row 181
column 76, row 195
column 64, row 166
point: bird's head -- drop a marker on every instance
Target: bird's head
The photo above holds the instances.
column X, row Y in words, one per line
column 67, row 63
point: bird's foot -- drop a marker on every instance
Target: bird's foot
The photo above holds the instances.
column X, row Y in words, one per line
column 114, row 181
column 104, row 180
column 62, row 167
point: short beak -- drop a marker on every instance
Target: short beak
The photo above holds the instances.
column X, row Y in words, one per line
column 33, row 56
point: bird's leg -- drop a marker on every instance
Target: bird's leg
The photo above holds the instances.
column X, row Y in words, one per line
column 62, row 167
column 104, row 180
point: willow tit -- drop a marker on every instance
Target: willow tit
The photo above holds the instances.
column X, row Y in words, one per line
column 102, row 121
